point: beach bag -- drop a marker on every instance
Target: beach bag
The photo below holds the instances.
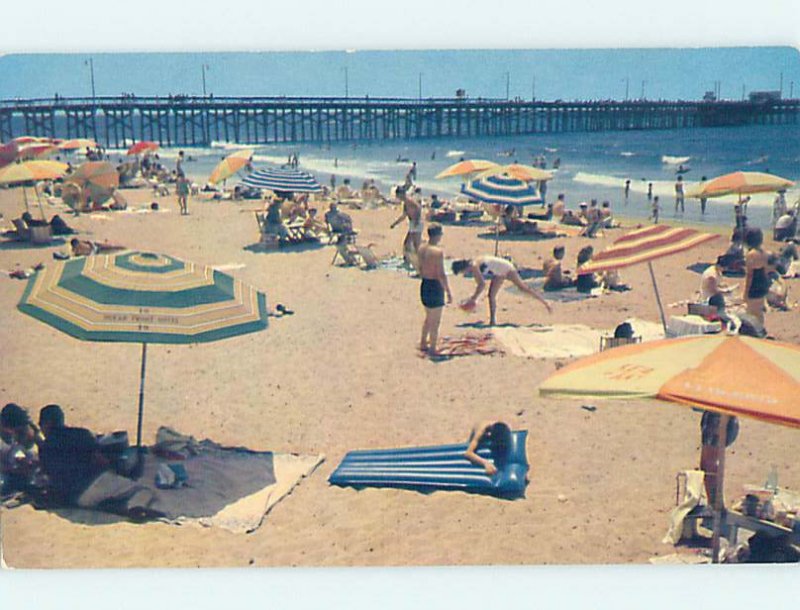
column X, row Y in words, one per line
column 173, row 445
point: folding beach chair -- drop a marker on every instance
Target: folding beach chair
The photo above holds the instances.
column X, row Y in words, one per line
column 608, row 342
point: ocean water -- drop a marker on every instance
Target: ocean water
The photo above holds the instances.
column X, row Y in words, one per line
column 593, row 165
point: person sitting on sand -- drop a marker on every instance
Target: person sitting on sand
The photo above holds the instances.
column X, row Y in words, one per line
column 274, row 220
column 612, row 280
column 339, row 222
column 17, row 449
column 313, row 227
column 59, row 227
column 711, row 282
column 554, row 277
column 497, row 270
column 79, row 474
column 498, row 435
column 785, row 226
column 433, row 288
column 585, row 281
column 606, row 216
column 572, row 219
column 732, row 261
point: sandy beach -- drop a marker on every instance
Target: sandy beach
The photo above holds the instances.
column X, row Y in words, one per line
column 344, row 373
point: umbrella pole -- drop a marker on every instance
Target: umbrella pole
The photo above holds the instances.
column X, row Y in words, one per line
column 141, row 399
column 719, row 505
column 496, row 236
column 658, row 296
column 25, row 197
column 39, row 201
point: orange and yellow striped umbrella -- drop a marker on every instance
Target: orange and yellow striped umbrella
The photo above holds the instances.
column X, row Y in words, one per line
column 466, row 168
column 96, row 173
column 645, row 245
column 528, row 173
column 31, row 171
column 77, row 144
column 36, row 151
column 230, row 165
column 741, row 183
column 734, row 375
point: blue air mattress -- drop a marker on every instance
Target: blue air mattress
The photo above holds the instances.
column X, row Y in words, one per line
column 432, row 468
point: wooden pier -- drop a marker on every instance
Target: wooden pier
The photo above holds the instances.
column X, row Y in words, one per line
column 116, row 122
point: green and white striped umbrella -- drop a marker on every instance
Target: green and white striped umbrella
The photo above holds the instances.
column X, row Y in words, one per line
column 140, row 297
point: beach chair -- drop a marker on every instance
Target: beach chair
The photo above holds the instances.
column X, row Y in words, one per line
column 609, row 342
column 267, row 240
column 22, row 229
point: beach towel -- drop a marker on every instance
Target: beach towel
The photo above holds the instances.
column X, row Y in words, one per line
column 441, row 467
column 231, row 488
column 565, row 340
column 692, row 496
column 467, row 345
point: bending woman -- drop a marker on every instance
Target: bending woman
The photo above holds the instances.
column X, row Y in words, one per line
column 497, row 270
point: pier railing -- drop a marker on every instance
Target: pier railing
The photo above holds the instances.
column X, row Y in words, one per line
column 181, row 120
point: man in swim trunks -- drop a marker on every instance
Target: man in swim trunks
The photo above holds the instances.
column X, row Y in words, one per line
column 433, row 288
column 412, row 210
column 497, row 271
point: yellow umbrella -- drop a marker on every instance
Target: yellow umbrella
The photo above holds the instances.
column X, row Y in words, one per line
column 97, row 178
column 230, row 165
column 32, row 171
column 465, row 168
column 77, row 144
column 740, row 183
column 528, row 173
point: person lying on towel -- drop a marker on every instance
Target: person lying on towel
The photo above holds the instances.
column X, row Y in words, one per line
column 498, row 435
column 80, row 475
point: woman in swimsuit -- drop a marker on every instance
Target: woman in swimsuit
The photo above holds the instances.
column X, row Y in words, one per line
column 756, row 280
column 497, row 271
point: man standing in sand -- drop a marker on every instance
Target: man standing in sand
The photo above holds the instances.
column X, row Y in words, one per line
column 412, row 210
column 679, row 194
column 433, row 288
column 182, row 188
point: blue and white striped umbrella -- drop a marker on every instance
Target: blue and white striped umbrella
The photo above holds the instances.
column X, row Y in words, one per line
column 502, row 189
column 283, row 180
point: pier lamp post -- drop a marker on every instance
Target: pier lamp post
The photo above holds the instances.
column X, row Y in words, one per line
column 204, row 68
column 420, row 86
column 90, row 63
column 533, row 89
column 508, row 85
column 644, row 82
column 627, row 81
